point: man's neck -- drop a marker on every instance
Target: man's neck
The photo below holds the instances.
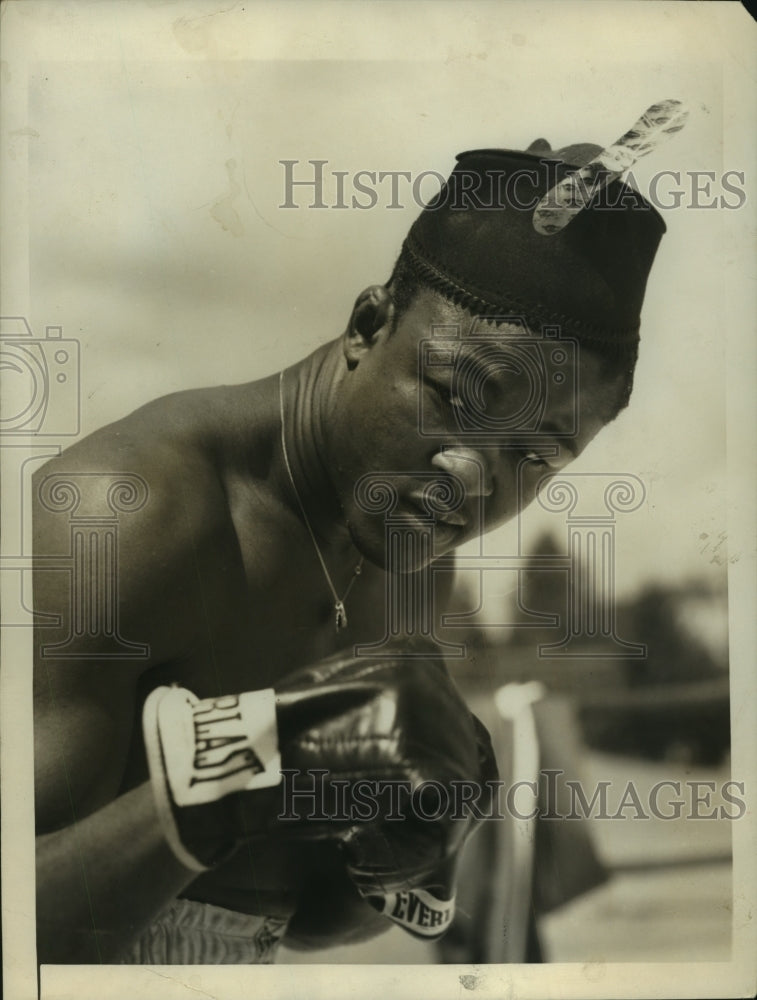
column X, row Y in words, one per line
column 308, row 395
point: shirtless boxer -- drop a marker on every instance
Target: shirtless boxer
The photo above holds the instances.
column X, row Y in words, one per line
column 252, row 533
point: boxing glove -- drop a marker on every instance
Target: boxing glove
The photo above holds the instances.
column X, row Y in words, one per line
column 218, row 767
column 407, row 871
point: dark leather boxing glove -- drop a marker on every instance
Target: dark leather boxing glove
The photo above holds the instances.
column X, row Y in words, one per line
column 381, row 726
column 407, row 870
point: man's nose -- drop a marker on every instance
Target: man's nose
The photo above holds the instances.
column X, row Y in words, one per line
column 469, row 466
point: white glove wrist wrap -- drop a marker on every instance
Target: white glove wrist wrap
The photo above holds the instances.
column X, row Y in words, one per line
column 200, row 751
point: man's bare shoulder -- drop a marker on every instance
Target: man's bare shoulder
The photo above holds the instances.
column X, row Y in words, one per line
column 170, row 426
column 178, row 445
column 161, row 473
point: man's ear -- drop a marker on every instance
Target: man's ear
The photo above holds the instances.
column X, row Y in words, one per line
column 372, row 313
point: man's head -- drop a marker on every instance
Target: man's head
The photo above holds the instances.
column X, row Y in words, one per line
column 494, row 354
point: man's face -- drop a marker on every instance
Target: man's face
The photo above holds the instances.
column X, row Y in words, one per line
column 486, row 411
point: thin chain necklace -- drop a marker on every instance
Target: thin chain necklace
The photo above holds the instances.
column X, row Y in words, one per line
column 339, row 609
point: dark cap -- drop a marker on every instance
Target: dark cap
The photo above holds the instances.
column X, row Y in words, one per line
column 476, row 243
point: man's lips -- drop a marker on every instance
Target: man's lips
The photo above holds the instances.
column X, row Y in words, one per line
column 452, row 518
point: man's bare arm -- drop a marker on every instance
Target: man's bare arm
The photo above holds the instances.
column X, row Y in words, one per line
column 104, row 870
column 102, row 879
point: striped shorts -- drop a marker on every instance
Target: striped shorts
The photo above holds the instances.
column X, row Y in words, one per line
column 192, row 933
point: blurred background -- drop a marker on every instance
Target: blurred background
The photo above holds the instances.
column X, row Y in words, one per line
column 158, row 241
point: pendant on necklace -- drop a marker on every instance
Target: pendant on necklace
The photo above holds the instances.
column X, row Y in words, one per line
column 341, row 615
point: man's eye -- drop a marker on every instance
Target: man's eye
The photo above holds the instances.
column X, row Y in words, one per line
column 448, row 397
column 535, row 457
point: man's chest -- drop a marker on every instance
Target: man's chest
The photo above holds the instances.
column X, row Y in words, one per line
column 266, row 607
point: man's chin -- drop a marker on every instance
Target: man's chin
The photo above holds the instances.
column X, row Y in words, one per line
column 407, row 548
